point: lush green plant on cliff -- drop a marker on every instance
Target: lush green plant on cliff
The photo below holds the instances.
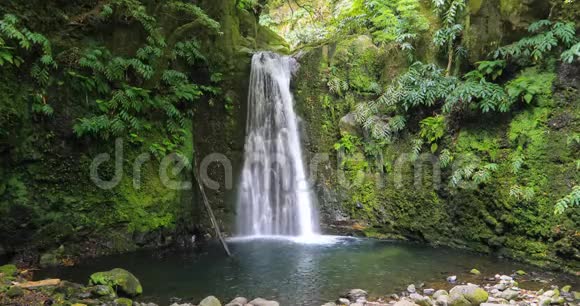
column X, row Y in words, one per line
column 547, row 37
column 395, row 20
column 348, row 143
column 449, row 36
column 569, row 201
column 132, row 95
column 571, row 54
column 421, row 85
column 477, row 91
column 18, row 42
column 432, row 130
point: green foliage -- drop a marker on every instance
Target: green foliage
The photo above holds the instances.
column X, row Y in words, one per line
column 472, row 173
column 522, row 193
column 571, row 54
column 493, row 69
column 398, row 20
column 547, row 36
column 133, row 95
column 348, row 143
column 571, row 200
column 15, row 41
column 246, row 4
column 445, row 158
column 517, row 161
column 421, row 85
column 433, row 129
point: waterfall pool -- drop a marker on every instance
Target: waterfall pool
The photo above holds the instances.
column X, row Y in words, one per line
column 306, row 274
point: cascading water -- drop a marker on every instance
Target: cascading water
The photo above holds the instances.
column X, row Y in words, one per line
column 274, row 197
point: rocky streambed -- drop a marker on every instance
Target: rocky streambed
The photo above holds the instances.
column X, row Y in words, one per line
column 119, row 287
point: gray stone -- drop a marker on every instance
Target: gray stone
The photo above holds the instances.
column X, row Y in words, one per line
column 549, row 293
column 420, row 300
column 439, row 293
column 355, row 294
column 411, row 288
column 508, row 294
column 343, row 301
column 239, row 301
column 442, row 300
column 329, row 304
column 263, row 302
column 102, row 290
column 348, row 125
column 428, row 291
column 506, row 278
column 405, row 303
column 452, row 278
column 545, row 301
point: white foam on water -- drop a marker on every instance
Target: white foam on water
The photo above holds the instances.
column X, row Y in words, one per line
column 312, row 239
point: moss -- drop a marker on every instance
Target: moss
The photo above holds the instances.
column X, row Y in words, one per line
column 14, row 292
column 119, row 279
column 123, row 302
column 8, row 271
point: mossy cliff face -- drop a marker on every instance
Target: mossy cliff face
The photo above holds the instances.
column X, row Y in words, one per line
column 220, row 124
column 372, row 189
column 47, row 198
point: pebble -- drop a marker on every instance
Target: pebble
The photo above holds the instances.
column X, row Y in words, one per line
column 452, row 279
column 411, row 288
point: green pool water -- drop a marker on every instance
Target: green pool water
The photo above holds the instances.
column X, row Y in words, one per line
column 296, row 273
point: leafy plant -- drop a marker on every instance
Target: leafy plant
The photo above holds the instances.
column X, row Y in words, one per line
column 522, row 193
column 493, row 69
column 448, row 36
column 445, row 158
column 433, row 129
column 571, row 54
column 547, row 36
column 571, row 200
column 348, row 143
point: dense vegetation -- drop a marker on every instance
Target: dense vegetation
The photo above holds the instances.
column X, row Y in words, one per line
column 498, row 110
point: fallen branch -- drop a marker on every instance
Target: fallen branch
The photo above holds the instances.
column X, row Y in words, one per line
column 42, row 283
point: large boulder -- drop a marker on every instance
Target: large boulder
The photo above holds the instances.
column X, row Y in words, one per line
column 263, row 302
column 210, row 301
column 467, row 295
column 122, row 280
column 348, row 125
column 239, row 301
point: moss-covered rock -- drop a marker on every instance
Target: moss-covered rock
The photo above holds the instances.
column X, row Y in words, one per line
column 210, row 301
column 121, row 280
column 9, row 271
column 14, row 292
column 123, row 302
column 467, row 295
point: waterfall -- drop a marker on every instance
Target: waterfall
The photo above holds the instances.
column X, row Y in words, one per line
column 274, row 196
